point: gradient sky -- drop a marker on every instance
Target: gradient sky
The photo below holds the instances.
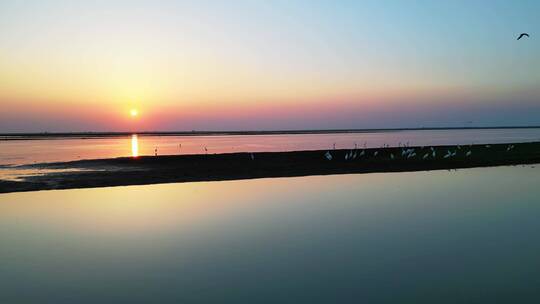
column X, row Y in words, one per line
column 239, row 65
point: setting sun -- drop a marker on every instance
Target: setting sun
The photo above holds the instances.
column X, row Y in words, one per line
column 133, row 112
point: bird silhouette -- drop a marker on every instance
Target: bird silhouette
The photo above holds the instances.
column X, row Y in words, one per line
column 523, row 35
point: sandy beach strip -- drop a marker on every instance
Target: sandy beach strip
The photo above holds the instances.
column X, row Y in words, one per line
column 145, row 170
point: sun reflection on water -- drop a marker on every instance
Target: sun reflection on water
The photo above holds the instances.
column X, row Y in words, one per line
column 134, row 145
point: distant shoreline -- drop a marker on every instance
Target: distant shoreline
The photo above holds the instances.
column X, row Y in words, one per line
column 146, row 170
column 82, row 135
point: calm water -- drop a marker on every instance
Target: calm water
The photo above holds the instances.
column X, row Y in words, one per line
column 30, row 151
column 467, row 236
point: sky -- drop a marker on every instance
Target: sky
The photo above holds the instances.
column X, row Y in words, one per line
column 267, row 65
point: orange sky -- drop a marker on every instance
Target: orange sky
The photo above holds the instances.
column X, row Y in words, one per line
column 83, row 66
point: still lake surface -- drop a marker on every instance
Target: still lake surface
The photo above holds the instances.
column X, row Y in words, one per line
column 466, row 236
column 16, row 152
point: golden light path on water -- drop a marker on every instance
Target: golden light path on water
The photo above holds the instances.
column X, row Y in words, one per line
column 134, row 145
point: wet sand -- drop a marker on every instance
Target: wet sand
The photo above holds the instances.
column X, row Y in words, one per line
column 216, row 167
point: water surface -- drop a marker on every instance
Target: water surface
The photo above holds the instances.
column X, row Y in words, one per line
column 466, row 236
column 15, row 152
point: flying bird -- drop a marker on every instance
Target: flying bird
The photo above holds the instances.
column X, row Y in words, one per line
column 523, row 35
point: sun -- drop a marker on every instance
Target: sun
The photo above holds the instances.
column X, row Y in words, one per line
column 133, row 112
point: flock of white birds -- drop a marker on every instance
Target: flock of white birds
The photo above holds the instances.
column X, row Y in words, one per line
column 410, row 153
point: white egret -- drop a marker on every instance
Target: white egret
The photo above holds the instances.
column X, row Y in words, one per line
column 328, row 155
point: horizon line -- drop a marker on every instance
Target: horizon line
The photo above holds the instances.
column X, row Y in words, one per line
column 249, row 132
